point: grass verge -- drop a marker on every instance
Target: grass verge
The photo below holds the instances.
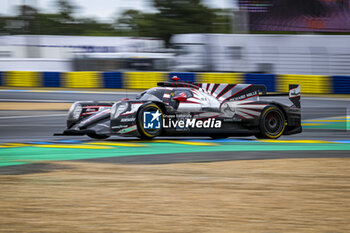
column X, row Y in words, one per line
column 291, row 195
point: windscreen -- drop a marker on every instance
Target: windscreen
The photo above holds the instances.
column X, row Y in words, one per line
column 151, row 94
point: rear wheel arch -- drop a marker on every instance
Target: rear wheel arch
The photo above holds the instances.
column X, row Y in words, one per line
column 282, row 110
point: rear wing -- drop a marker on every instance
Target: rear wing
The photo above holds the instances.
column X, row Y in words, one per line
column 294, row 94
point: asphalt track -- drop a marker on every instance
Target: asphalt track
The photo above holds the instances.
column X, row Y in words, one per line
column 25, row 133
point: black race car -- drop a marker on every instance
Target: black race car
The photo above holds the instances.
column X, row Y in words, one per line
column 189, row 109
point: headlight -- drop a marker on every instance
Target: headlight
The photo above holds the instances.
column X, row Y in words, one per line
column 75, row 111
column 118, row 109
column 114, row 109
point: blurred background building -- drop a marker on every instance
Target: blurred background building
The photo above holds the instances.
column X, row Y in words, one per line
column 260, row 36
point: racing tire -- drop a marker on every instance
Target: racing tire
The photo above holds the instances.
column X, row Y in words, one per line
column 272, row 123
column 98, row 136
column 144, row 132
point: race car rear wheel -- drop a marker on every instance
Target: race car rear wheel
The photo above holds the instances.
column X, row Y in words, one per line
column 272, row 123
column 149, row 121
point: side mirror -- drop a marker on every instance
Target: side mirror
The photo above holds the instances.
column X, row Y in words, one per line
column 180, row 98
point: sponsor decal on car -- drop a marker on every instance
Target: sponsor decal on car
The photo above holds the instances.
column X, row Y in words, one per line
column 155, row 120
column 128, row 129
column 119, row 126
column 192, row 123
column 127, row 119
column 295, row 92
column 246, row 96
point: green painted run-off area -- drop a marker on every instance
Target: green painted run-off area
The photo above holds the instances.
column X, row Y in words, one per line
column 31, row 153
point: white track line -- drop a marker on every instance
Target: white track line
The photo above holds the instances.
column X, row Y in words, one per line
column 15, row 117
column 62, row 125
column 28, row 100
column 310, row 98
column 325, row 98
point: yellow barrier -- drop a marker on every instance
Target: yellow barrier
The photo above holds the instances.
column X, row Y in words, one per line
column 22, row 79
column 317, row 84
column 143, row 80
column 83, row 79
column 230, row 78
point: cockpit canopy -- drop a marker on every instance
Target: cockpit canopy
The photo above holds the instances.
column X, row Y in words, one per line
column 155, row 93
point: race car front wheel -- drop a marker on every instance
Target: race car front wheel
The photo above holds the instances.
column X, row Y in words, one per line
column 272, row 123
column 149, row 121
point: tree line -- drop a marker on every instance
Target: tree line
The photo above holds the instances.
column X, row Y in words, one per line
column 171, row 17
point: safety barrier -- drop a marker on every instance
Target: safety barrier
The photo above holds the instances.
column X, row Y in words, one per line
column 315, row 84
column 143, row 80
column 112, row 79
column 309, row 83
column 220, row 78
column 22, row 79
column 341, row 84
column 269, row 80
column 82, row 79
column 51, row 79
